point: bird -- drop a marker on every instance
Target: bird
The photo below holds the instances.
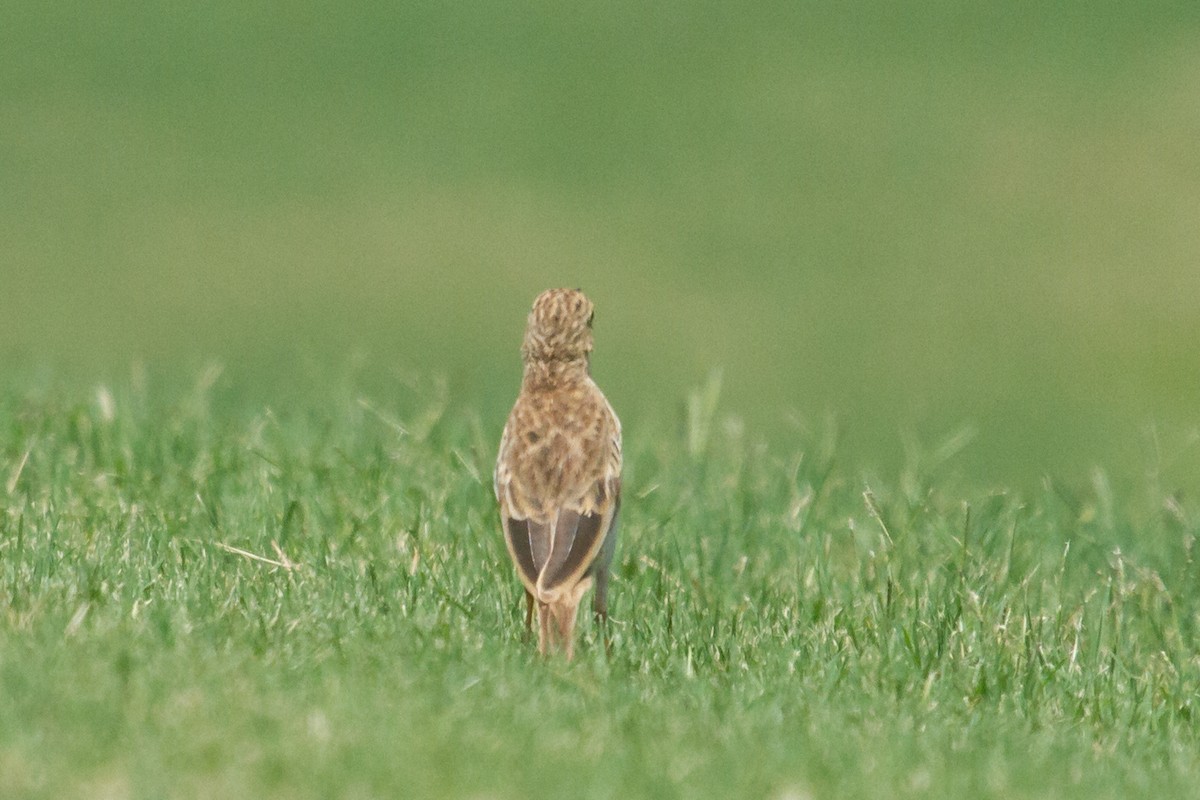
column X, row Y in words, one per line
column 558, row 472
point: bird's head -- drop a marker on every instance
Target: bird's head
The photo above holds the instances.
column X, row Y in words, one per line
column 559, row 327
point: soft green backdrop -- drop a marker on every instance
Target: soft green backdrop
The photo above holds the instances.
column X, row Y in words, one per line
column 915, row 217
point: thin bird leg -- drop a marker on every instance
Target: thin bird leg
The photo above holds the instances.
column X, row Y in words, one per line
column 600, row 599
column 528, row 614
column 600, row 610
column 564, row 622
column 544, row 627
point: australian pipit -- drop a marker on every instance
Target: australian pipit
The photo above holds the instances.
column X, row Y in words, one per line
column 558, row 474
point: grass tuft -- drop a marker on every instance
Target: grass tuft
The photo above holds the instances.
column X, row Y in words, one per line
column 201, row 596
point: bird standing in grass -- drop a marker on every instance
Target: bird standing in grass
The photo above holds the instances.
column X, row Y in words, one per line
column 558, row 475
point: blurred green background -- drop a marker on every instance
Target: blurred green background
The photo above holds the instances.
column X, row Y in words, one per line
column 913, row 217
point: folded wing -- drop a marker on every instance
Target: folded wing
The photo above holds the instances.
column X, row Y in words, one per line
column 556, row 555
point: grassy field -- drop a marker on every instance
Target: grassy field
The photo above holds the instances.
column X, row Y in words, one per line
column 315, row 601
column 263, row 272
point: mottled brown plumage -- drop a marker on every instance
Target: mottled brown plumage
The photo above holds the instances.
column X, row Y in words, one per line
column 558, row 474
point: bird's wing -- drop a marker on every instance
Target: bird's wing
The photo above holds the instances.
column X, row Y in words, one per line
column 527, row 544
column 527, row 540
column 577, row 539
column 580, row 529
column 558, row 553
column 554, row 547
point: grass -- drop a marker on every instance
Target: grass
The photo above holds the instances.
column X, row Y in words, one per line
column 204, row 596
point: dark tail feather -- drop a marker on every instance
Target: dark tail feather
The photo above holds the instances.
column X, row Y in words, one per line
column 577, row 540
column 527, row 542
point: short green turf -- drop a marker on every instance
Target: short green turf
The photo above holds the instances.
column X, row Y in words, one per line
column 202, row 596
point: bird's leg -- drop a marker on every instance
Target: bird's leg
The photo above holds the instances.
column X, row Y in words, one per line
column 600, row 598
column 600, row 609
column 564, row 625
column 544, row 627
column 528, row 614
